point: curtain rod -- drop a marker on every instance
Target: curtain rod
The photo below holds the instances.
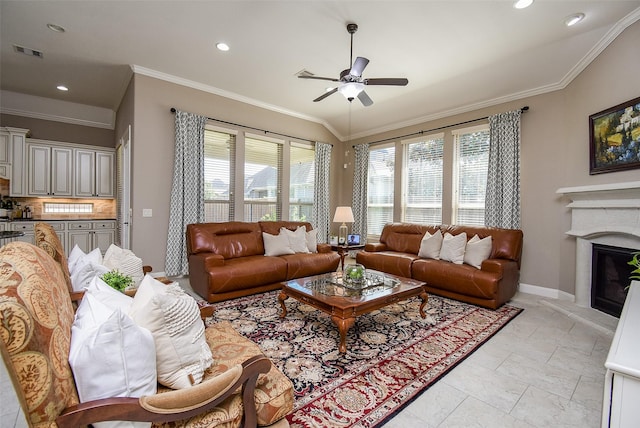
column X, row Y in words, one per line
column 523, row 109
column 173, row 110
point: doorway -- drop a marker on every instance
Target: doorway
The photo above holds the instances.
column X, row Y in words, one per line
column 123, row 186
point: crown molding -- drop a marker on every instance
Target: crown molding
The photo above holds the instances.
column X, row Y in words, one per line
column 35, row 107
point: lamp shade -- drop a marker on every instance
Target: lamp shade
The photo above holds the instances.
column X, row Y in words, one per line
column 343, row 215
column 351, row 90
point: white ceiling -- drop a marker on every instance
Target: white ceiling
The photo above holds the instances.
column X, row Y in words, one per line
column 457, row 55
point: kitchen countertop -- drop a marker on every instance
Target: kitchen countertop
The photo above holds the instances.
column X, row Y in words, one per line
column 18, row 220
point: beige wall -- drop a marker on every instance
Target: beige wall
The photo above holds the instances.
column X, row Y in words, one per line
column 58, row 131
column 153, row 150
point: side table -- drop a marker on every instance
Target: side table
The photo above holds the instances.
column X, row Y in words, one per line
column 344, row 249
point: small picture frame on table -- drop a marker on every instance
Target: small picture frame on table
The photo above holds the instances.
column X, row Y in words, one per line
column 333, row 240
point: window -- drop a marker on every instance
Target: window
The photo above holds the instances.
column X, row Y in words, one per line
column 262, row 179
column 301, row 182
column 219, row 158
column 422, row 184
column 380, row 188
column 470, row 174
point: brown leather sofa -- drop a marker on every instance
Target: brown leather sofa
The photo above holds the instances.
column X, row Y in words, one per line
column 492, row 285
column 226, row 260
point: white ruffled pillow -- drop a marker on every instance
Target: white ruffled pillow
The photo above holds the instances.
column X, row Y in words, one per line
column 312, row 240
column 125, row 262
column 173, row 318
column 276, row 245
column 84, row 271
column 430, row 245
column 297, row 239
column 453, row 247
column 111, row 356
column 477, row 251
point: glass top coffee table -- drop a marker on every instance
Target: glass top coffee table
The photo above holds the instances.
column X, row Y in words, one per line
column 344, row 302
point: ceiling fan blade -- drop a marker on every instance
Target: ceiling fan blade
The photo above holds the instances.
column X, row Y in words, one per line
column 364, row 99
column 386, row 81
column 358, row 66
column 325, row 95
column 331, row 79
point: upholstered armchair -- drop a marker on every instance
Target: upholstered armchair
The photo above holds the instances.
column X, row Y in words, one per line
column 36, row 316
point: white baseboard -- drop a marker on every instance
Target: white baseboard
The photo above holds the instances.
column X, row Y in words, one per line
column 546, row 292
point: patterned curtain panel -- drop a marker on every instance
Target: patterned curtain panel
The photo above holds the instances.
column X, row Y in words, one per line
column 502, row 201
column 360, row 180
column 321, row 213
column 187, row 191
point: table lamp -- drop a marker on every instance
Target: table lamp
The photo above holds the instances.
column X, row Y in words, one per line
column 343, row 215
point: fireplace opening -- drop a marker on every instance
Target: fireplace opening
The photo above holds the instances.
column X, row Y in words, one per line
column 609, row 278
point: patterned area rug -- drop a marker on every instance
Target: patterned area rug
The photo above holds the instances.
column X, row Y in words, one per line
column 392, row 354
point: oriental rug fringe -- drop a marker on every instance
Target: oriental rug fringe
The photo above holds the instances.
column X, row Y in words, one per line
column 392, row 356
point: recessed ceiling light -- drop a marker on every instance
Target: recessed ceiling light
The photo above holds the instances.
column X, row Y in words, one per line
column 62, row 88
column 222, row 46
column 521, row 4
column 56, row 28
column 573, row 19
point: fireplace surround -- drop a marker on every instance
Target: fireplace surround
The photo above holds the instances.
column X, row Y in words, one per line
column 605, row 214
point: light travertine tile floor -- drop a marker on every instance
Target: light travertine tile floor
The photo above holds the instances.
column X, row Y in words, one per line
column 545, row 368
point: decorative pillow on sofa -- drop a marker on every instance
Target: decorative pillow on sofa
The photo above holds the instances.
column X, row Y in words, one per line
column 453, row 247
column 111, row 356
column 297, row 239
column 125, row 262
column 108, row 296
column 477, row 251
column 77, row 254
column 276, row 245
column 85, row 268
column 173, row 317
column 430, row 246
column 312, row 240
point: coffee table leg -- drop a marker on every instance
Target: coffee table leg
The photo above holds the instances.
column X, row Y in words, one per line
column 343, row 327
column 425, row 298
column 281, row 298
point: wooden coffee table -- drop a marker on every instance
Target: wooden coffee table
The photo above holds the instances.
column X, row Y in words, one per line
column 328, row 294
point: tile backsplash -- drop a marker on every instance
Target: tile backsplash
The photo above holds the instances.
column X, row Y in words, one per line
column 102, row 208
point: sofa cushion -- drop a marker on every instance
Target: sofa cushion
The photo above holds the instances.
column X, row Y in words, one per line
column 228, row 239
column 453, row 247
column 404, row 237
column 477, row 251
column 431, row 245
column 173, row 318
column 391, row 262
column 307, row 264
column 462, row 279
column 111, row 356
column 47, row 239
column 276, row 245
column 38, row 346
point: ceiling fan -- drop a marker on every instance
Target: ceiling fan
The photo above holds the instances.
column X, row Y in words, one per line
column 351, row 82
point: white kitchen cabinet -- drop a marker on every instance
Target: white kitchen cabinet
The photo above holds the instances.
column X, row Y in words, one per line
column 49, row 170
column 88, row 235
column 622, row 380
column 28, row 227
column 94, row 173
column 13, row 150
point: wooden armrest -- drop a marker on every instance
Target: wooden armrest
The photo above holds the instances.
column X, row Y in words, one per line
column 177, row 404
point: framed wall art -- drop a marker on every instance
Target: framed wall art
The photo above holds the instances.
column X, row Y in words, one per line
column 614, row 138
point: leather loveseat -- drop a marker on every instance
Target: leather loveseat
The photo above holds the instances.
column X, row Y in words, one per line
column 227, row 260
column 493, row 284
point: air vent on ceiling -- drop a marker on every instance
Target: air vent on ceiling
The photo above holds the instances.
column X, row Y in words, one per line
column 28, row 51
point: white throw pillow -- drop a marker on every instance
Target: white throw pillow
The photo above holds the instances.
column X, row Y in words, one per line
column 84, row 273
column 477, row 251
column 453, row 247
column 430, row 245
column 111, row 356
column 312, row 240
column 276, row 245
column 109, row 296
column 78, row 258
column 297, row 239
column 75, row 254
column 125, row 262
column 173, row 317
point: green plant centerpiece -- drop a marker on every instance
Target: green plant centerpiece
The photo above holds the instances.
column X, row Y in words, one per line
column 354, row 275
column 117, row 280
column 635, row 262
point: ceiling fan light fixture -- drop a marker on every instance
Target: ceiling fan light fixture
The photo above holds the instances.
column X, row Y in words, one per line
column 572, row 20
column 351, row 90
column 521, row 4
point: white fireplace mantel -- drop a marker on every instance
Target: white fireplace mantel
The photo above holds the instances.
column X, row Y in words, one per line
column 606, row 214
